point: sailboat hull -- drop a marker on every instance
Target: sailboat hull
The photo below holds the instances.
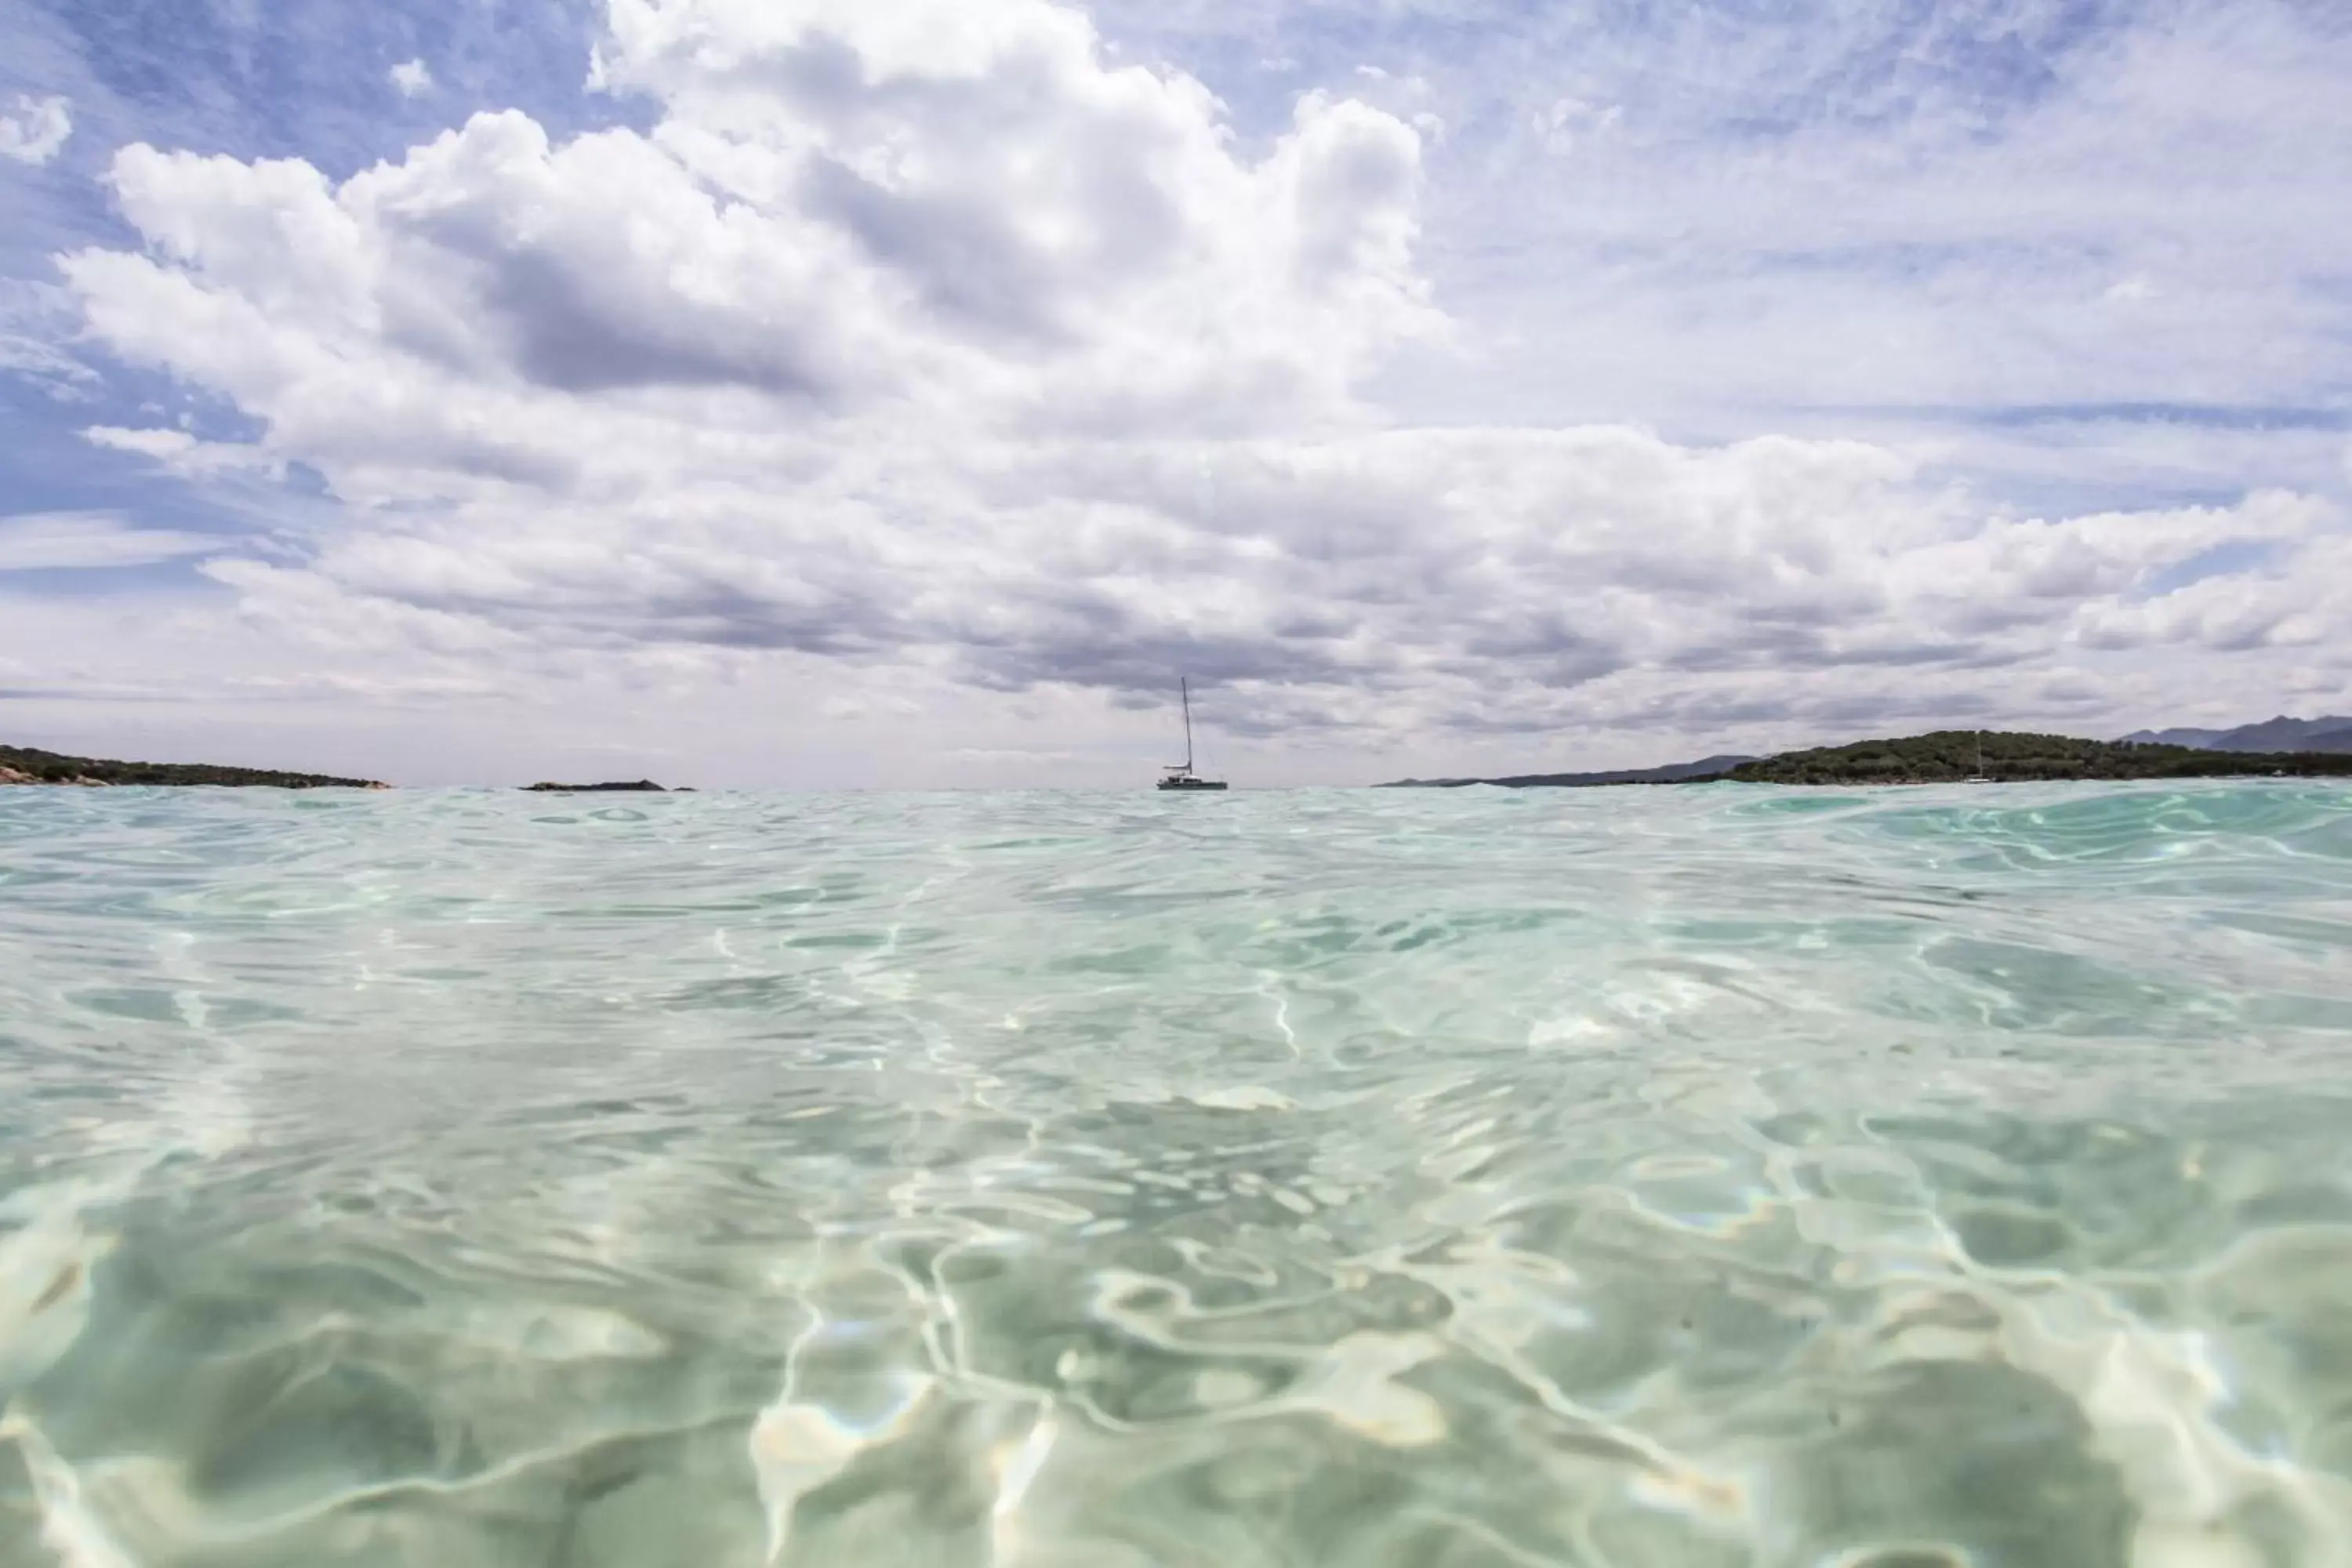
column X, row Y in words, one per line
column 1180, row 775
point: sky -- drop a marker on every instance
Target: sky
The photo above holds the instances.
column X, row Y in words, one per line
column 874, row 394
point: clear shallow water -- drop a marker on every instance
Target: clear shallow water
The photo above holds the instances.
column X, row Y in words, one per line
column 1634, row 1177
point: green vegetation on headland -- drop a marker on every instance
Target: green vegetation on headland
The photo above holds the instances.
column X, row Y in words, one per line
column 22, row 765
column 1954, row 756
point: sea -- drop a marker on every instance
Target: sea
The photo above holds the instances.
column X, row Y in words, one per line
column 1716, row 1175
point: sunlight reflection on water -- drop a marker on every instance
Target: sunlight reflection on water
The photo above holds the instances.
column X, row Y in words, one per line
column 1641, row 1177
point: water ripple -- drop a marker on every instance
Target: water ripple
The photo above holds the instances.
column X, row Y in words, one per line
column 1703, row 1176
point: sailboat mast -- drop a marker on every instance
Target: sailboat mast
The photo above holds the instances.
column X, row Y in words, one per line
column 1185, row 688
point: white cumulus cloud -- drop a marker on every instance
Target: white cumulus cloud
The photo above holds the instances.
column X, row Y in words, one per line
column 411, row 78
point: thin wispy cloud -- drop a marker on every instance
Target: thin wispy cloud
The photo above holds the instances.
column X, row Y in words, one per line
column 55, row 542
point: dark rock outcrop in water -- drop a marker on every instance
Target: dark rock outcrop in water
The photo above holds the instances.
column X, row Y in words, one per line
column 1953, row 756
column 645, row 786
column 24, row 765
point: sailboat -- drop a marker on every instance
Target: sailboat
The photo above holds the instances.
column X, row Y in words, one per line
column 1978, row 776
column 1180, row 775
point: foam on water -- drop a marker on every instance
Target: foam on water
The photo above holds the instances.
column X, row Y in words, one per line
column 1704, row 1176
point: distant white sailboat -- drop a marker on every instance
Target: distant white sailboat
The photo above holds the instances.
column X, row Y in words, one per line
column 1180, row 775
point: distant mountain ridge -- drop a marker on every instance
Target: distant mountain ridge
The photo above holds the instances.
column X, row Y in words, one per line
column 2329, row 733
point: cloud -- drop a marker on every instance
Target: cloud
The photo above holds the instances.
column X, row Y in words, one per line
column 186, row 456
column 1398, row 582
column 1570, row 121
column 410, row 78
column 39, row 128
column 1879, row 218
column 1031, row 233
column 37, row 325
column 87, row 541
column 928, row 347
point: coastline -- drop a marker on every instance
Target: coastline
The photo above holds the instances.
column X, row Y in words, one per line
column 1954, row 756
column 25, row 767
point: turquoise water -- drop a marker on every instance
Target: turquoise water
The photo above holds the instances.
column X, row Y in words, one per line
column 1696, row 1176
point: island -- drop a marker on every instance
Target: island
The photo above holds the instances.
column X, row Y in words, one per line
column 1948, row 756
column 25, row 765
column 1993, row 756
